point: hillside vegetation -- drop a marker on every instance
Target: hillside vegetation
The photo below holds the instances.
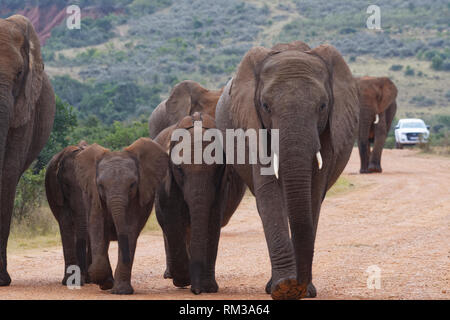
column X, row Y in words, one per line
column 119, row 67
column 129, row 53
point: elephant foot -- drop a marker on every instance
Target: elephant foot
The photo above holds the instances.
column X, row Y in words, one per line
column 167, row 274
column 288, row 289
column 123, row 287
column 87, row 279
column 375, row 168
column 269, row 286
column 311, row 291
column 207, row 286
column 363, row 171
column 5, row 279
column 107, row 284
column 181, row 282
column 101, row 275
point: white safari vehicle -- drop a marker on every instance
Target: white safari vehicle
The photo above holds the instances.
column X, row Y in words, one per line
column 411, row 132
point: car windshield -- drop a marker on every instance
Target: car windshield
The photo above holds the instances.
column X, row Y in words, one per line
column 415, row 124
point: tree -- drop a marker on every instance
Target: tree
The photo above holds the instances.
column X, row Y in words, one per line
column 64, row 124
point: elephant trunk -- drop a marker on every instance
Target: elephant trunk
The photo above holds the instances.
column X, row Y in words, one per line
column 299, row 152
column 118, row 211
column 5, row 118
column 202, row 224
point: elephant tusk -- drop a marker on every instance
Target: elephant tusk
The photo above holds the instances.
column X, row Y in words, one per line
column 377, row 119
column 275, row 164
column 319, row 160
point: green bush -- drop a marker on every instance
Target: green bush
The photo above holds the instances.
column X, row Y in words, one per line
column 30, row 194
column 63, row 125
column 409, row 71
column 396, row 67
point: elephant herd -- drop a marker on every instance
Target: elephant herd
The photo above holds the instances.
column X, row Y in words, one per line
column 97, row 195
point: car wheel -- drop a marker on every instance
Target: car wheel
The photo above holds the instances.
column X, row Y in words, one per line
column 398, row 145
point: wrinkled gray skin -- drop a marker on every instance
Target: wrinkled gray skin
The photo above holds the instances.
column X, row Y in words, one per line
column 27, row 110
column 312, row 98
column 119, row 190
column 65, row 198
column 191, row 206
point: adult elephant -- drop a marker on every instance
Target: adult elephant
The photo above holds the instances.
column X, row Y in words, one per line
column 311, row 97
column 27, row 110
column 378, row 106
column 186, row 98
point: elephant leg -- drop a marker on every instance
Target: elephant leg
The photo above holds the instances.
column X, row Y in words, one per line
column 269, row 203
column 67, row 232
column 209, row 283
column 13, row 167
column 167, row 273
column 7, row 201
column 380, row 133
column 173, row 218
column 364, row 148
column 79, row 218
column 99, row 271
column 122, row 275
column 160, row 218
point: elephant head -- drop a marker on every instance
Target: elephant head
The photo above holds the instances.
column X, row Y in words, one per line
column 312, row 99
column 21, row 72
column 376, row 94
column 120, row 185
column 186, row 98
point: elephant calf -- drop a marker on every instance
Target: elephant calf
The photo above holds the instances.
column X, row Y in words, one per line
column 119, row 190
column 65, row 198
column 377, row 110
column 191, row 207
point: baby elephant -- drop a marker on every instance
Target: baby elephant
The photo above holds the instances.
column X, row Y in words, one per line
column 119, row 191
column 65, row 198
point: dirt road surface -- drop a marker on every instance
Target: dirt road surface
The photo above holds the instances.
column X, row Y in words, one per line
column 397, row 221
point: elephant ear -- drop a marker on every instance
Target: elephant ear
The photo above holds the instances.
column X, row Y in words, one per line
column 153, row 164
column 30, row 91
column 242, row 90
column 388, row 93
column 295, row 45
column 86, row 171
column 344, row 113
column 184, row 100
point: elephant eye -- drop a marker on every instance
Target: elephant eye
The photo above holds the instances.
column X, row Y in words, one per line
column 266, row 107
column 323, row 106
column 19, row 74
column 133, row 185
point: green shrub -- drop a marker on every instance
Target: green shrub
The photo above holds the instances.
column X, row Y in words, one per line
column 409, row 71
column 30, row 194
column 396, row 67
